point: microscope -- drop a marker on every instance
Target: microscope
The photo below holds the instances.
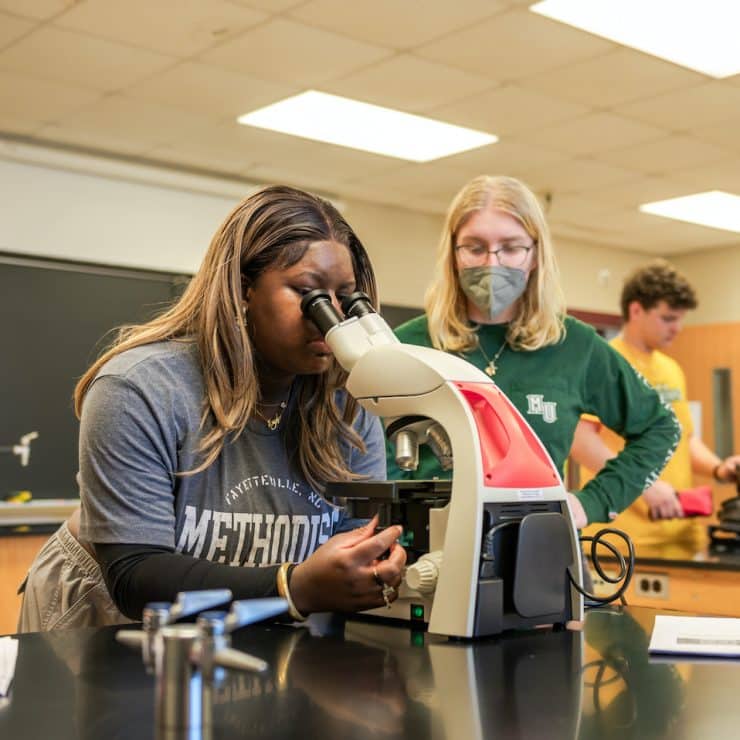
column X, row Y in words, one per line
column 725, row 535
column 496, row 549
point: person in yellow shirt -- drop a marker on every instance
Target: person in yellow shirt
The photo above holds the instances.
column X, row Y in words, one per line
column 654, row 302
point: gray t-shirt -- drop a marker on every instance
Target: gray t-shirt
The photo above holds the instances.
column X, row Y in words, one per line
column 141, row 426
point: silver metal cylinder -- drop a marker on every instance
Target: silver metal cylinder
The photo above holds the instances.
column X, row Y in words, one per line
column 407, row 450
column 155, row 615
column 439, row 444
column 214, row 637
column 179, row 698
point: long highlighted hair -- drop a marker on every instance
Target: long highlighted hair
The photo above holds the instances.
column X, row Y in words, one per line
column 540, row 320
column 271, row 229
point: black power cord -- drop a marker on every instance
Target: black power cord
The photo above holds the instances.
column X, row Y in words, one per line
column 626, row 568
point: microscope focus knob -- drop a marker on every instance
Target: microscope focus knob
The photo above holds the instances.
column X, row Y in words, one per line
column 423, row 574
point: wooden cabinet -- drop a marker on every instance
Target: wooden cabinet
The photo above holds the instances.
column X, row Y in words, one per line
column 696, row 588
column 700, row 350
column 16, row 555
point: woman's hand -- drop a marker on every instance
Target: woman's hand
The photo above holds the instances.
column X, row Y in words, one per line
column 577, row 512
column 340, row 575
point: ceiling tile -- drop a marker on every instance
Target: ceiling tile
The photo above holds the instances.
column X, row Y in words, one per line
column 417, row 180
column 623, row 228
column 506, row 157
column 598, row 132
column 408, row 83
column 230, row 147
column 725, row 134
column 315, row 181
column 39, row 9
column 99, row 141
column 288, row 156
column 575, row 175
column 12, row 28
column 294, row 54
column 507, row 110
column 209, row 91
column 685, row 109
column 17, row 125
column 638, row 232
column 723, row 175
column 398, row 197
column 661, row 156
column 619, row 76
column 138, row 122
column 176, row 27
column 638, row 190
column 40, row 100
column 413, row 21
column 271, row 6
column 51, row 53
column 207, row 156
column 514, row 45
column 672, row 237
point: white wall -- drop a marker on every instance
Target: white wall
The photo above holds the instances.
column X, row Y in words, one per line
column 402, row 245
column 592, row 276
column 70, row 215
column 53, row 212
column 715, row 275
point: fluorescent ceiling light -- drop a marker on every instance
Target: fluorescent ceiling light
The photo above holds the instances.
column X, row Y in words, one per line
column 713, row 208
column 702, row 36
column 370, row 128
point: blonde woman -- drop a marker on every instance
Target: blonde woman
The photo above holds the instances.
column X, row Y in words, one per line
column 495, row 300
column 207, row 436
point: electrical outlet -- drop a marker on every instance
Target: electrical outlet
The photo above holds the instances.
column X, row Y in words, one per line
column 651, row 585
column 600, row 587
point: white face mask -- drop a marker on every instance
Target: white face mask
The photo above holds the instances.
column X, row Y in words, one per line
column 493, row 288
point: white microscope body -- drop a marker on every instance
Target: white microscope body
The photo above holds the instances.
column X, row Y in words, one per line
column 503, row 479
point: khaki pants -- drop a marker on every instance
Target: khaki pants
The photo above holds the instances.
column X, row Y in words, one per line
column 64, row 588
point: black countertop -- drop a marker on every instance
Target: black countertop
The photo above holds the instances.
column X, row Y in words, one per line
column 366, row 680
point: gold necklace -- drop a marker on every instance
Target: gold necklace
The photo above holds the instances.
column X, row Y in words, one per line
column 274, row 422
column 490, row 368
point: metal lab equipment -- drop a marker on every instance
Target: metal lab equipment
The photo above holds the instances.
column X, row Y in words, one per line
column 187, row 658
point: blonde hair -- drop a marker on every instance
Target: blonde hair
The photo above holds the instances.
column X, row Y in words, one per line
column 271, row 229
column 540, row 320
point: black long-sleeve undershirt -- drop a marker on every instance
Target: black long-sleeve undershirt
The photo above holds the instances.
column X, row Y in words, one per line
column 138, row 574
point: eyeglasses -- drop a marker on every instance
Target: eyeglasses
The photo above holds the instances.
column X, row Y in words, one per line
column 509, row 255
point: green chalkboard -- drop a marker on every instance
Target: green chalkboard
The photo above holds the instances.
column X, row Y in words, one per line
column 56, row 317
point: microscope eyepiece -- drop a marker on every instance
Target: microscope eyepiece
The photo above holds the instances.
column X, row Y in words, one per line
column 317, row 306
column 357, row 304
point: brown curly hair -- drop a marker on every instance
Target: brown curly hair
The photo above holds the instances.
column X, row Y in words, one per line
column 657, row 281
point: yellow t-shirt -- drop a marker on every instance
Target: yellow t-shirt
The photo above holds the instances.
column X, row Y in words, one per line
column 665, row 537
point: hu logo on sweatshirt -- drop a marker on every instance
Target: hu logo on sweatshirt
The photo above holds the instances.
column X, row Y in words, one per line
column 537, row 405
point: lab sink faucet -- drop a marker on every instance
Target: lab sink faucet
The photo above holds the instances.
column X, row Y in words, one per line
column 23, row 448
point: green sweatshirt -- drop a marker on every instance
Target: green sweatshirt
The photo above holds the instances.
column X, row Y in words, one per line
column 552, row 387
